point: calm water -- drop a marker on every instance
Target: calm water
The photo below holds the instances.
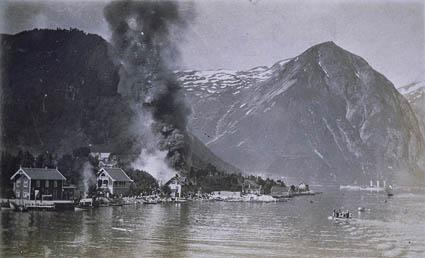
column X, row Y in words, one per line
column 297, row 228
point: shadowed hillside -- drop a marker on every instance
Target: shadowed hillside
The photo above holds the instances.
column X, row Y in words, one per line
column 60, row 93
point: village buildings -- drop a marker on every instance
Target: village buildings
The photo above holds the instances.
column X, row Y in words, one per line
column 114, row 181
column 100, row 152
column 38, row 184
column 251, row 187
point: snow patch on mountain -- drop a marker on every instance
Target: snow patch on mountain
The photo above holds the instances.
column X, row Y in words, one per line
column 413, row 91
column 327, row 109
column 212, row 82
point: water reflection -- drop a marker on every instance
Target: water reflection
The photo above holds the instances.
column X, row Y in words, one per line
column 388, row 228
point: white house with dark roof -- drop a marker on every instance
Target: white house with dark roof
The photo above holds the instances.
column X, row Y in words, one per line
column 36, row 183
column 175, row 184
column 114, row 181
column 100, row 152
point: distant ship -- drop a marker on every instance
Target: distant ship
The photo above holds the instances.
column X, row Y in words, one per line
column 373, row 188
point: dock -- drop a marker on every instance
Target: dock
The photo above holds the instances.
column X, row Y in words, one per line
column 45, row 205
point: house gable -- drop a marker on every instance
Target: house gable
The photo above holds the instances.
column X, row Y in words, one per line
column 103, row 171
column 20, row 172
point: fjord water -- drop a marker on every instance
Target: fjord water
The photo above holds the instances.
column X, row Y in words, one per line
column 393, row 227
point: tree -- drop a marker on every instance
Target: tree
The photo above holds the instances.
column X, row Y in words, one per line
column 45, row 159
column 144, row 183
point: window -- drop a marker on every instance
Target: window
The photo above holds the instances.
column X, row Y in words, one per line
column 18, row 194
column 25, row 183
column 18, row 183
column 55, row 184
column 37, row 183
column 47, row 183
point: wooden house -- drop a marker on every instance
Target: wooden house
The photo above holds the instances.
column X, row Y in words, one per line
column 38, row 184
column 113, row 181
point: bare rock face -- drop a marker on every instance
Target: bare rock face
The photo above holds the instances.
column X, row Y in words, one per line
column 325, row 115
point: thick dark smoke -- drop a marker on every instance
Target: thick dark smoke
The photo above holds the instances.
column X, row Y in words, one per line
column 142, row 42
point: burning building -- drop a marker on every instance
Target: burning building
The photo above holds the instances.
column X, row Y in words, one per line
column 143, row 47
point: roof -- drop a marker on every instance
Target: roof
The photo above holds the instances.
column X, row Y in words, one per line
column 41, row 173
column 117, row 174
column 182, row 180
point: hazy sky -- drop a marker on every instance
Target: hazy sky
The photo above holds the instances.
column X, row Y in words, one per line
column 240, row 34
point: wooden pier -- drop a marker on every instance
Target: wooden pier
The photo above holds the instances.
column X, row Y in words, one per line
column 47, row 205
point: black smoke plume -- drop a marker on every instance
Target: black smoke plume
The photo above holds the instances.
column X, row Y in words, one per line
column 142, row 44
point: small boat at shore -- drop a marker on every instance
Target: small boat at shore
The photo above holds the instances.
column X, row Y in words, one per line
column 178, row 200
column 151, row 200
column 6, row 206
column 84, row 204
column 17, row 207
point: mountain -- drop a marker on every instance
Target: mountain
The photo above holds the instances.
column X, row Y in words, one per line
column 415, row 94
column 325, row 115
column 59, row 92
column 56, row 87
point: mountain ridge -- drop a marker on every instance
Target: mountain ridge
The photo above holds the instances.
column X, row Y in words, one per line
column 359, row 117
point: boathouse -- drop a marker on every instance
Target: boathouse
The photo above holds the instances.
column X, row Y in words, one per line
column 113, row 181
column 38, row 184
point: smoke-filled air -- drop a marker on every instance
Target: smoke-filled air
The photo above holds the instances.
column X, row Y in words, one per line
column 88, row 177
column 142, row 45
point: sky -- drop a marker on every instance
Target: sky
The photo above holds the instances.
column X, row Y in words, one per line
column 241, row 34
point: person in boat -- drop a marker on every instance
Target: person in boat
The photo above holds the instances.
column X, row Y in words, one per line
column 338, row 214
